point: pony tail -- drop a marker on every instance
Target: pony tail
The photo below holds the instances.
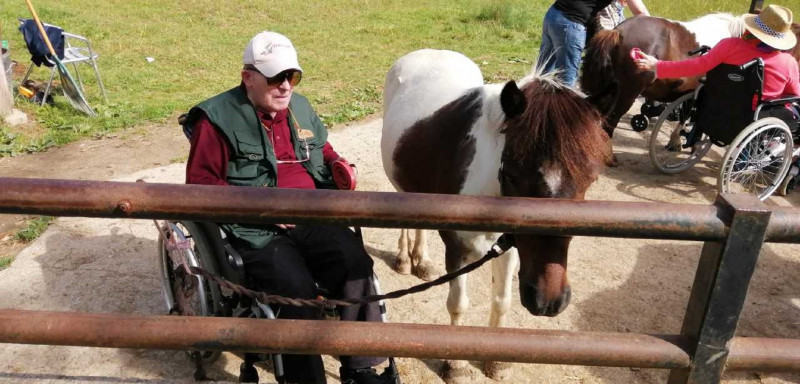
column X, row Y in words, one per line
column 596, row 80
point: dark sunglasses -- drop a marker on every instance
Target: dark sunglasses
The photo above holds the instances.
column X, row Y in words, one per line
column 292, row 75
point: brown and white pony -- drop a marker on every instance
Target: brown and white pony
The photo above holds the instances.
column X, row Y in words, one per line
column 612, row 79
column 444, row 131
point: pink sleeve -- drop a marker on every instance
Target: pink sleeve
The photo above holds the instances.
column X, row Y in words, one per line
column 695, row 66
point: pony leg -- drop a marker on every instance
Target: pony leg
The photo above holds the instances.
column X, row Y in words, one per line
column 621, row 106
column 456, row 371
column 503, row 269
column 402, row 263
column 457, row 300
column 422, row 266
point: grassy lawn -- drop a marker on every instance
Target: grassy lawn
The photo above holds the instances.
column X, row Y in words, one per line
column 33, row 228
column 345, row 48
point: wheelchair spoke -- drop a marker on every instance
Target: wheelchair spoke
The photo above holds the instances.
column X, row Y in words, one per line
column 759, row 163
column 673, row 145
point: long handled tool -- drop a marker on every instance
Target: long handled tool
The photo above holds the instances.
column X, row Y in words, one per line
column 71, row 90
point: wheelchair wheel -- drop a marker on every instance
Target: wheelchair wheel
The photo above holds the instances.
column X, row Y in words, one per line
column 205, row 299
column 758, row 159
column 669, row 152
column 639, row 123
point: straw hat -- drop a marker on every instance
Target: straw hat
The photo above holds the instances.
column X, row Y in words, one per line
column 773, row 27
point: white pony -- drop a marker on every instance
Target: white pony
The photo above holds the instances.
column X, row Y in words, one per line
column 444, row 131
column 708, row 30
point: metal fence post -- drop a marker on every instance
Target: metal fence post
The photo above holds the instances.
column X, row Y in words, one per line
column 720, row 287
column 755, row 5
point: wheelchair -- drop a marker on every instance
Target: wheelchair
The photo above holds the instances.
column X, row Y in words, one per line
column 206, row 246
column 727, row 110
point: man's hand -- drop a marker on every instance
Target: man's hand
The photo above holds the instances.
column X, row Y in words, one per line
column 285, row 227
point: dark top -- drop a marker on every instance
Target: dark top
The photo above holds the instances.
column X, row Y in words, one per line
column 40, row 54
column 581, row 11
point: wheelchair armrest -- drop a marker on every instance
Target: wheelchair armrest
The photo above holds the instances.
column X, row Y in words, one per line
column 782, row 100
column 234, row 259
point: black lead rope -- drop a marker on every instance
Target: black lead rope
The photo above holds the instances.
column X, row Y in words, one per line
column 503, row 244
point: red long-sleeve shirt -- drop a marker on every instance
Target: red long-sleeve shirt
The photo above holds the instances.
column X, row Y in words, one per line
column 210, row 153
column 780, row 69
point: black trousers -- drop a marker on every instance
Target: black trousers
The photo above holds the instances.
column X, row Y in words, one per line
column 294, row 263
column 785, row 114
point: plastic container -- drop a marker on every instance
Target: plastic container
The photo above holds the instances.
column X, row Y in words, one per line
column 636, row 53
column 7, row 65
column 6, row 58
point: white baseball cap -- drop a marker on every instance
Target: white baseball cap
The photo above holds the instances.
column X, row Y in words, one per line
column 271, row 53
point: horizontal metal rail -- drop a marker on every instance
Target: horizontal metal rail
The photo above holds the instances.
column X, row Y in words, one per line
column 344, row 338
column 762, row 354
column 378, row 209
column 382, row 339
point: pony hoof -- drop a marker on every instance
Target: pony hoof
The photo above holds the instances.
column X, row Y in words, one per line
column 425, row 271
column 497, row 370
column 402, row 265
column 613, row 162
column 458, row 372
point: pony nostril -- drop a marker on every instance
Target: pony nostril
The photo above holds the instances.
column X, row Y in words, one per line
column 537, row 305
column 562, row 303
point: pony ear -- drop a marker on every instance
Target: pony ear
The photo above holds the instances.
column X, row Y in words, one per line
column 512, row 100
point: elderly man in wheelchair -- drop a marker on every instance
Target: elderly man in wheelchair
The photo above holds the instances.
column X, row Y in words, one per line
column 747, row 102
column 262, row 134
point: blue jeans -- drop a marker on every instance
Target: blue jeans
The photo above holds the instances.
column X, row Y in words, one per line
column 563, row 41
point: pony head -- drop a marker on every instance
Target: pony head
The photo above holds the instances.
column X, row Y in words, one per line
column 554, row 148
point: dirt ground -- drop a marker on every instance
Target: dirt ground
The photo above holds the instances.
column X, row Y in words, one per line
column 619, row 285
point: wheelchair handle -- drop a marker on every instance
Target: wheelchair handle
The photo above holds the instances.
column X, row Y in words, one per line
column 750, row 64
column 702, row 50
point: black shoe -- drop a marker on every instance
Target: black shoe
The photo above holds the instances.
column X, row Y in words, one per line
column 390, row 375
column 248, row 373
column 360, row 376
column 790, row 181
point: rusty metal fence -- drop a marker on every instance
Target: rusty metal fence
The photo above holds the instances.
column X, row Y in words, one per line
column 733, row 230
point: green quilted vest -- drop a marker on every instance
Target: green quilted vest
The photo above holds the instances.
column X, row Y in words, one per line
column 252, row 162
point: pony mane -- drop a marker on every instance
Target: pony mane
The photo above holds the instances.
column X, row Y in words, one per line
column 737, row 26
column 558, row 126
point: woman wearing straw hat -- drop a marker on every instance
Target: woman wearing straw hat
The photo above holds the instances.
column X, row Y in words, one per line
column 766, row 36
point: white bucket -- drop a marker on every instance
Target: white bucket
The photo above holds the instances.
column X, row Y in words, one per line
column 6, row 60
column 7, row 69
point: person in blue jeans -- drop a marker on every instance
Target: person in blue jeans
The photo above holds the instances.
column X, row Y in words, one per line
column 564, row 35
